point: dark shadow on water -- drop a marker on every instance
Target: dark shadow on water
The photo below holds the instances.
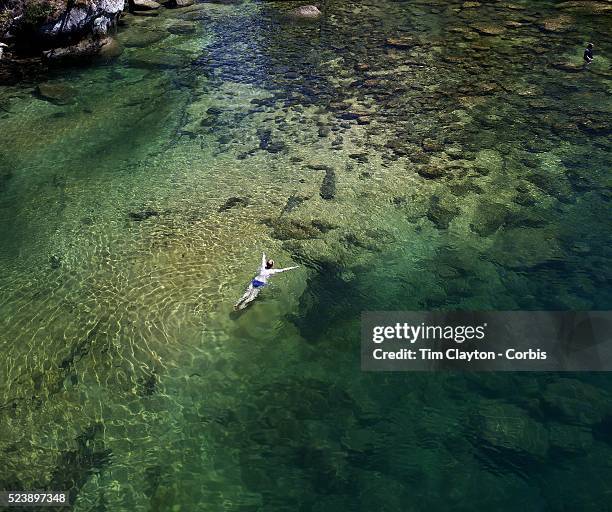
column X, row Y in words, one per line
column 326, row 299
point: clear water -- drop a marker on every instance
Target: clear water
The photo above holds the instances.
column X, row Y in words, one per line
column 479, row 178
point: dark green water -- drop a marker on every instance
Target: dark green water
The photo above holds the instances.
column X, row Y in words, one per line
column 469, row 169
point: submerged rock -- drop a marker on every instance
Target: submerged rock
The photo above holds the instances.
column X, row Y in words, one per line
column 489, row 217
column 359, row 440
column 488, row 29
column 524, row 247
column 328, row 186
column 85, row 49
column 182, row 28
column 586, row 6
column 233, row 202
column 594, row 125
column 372, row 240
column 163, row 60
column 143, row 215
column 319, row 167
column 557, row 24
column 441, row 213
column 432, row 145
column 323, row 225
column 569, row 67
column 291, row 229
column 110, row 49
column 142, row 37
column 576, row 402
column 429, row 172
column 275, row 146
column 56, row 92
column 402, row 43
column 316, row 253
column 508, row 430
column 362, row 158
column 570, row 439
column 5, row 177
column 293, row 202
column 147, row 384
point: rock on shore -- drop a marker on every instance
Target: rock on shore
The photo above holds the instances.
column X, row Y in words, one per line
column 36, row 25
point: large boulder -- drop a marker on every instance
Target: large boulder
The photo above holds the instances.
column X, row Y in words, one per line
column 45, row 24
column 88, row 16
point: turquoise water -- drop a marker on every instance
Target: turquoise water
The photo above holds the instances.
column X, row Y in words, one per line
column 463, row 166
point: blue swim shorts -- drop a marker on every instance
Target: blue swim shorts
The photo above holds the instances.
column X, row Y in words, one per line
column 257, row 284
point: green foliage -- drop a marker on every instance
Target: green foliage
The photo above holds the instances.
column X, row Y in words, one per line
column 4, row 16
column 37, row 11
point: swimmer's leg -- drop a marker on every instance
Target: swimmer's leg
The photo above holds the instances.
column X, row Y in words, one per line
column 249, row 296
column 244, row 297
column 252, row 296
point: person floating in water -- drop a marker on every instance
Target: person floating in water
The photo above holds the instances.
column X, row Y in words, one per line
column 255, row 286
column 588, row 54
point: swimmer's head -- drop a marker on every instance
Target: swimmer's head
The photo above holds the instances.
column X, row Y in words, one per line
column 269, row 263
column 590, row 45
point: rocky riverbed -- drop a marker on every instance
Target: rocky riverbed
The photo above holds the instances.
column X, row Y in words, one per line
column 406, row 154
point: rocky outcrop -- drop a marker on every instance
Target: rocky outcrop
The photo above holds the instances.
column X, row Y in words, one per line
column 35, row 25
column 97, row 17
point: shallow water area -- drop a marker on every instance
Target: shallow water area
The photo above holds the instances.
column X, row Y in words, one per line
column 407, row 155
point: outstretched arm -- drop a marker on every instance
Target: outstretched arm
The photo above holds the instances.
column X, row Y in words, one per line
column 279, row 270
column 263, row 262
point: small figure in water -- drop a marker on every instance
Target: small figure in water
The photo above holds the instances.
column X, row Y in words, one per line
column 588, row 53
column 259, row 282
